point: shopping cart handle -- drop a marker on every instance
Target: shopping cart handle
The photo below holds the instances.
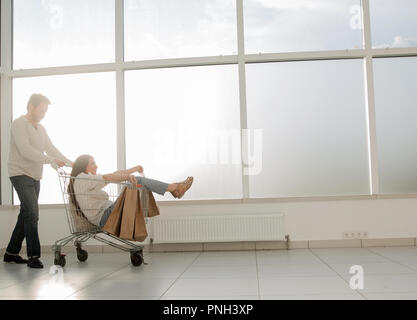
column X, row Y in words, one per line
column 138, row 186
column 55, row 166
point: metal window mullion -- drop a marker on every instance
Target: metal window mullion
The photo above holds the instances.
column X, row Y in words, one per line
column 242, row 95
column 120, row 85
column 306, row 56
column 394, row 52
column 205, row 61
column 6, row 97
column 370, row 100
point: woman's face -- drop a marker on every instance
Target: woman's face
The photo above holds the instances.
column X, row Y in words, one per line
column 92, row 167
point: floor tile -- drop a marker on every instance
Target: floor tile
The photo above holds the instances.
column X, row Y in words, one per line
column 390, row 283
column 41, row 288
column 214, row 287
column 391, row 296
column 340, row 251
column 407, row 249
column 409, row 264
column 274, row 259
column 231, row 258
column 373, row 268
column 7, row 283
column 354, row 258
column 154, row 271
column 254, row 297
column 303, row 285
column 228, row 272
column 347, row 296
column 294, row 270
column 111, row 298
column 292, row 252
column 120, row 288
column 82, row 273
column 399, row 256
column 107, row 259
column 20, row 272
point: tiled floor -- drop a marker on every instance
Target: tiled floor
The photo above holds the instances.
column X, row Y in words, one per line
column 389, row 273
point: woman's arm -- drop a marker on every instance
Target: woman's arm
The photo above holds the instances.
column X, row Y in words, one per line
column 119, row 177
column 131, row 170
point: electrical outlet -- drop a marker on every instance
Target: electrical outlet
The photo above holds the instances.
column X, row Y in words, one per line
column 363, row 235
column 355, row 235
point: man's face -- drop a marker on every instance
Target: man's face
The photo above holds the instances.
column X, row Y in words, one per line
column 38, row 113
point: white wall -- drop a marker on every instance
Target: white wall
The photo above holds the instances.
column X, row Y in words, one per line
column 315, row 220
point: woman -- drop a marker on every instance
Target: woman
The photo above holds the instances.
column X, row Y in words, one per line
column 92, row 202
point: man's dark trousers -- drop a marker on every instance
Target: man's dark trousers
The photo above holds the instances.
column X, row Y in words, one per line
column 27, row 223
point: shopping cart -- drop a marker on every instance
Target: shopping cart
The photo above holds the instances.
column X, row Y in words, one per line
column 82, row 230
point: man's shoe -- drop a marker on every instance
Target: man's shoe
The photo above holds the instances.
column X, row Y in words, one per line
column 35, row 263
column 10, row 258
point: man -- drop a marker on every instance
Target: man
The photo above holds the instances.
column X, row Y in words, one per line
column 28, row 143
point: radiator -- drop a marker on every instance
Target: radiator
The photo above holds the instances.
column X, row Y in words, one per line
column 219, row 228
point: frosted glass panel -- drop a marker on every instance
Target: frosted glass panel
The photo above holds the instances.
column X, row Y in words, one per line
column 396, row 114
column 314, row 123
column 80, row 120
column 182, row 28
column 394, row 23
column 302, row 25
column 185, row 122
column 52, row 33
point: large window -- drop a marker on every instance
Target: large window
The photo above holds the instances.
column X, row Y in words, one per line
column 314, row 121
column 173, row 86
column 302, row 25
column 182, row 28
column 185, row 121
column 80, row 120
column 396, row 114
column 52, row 33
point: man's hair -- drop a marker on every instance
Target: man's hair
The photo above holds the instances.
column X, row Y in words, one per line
column 36, row 99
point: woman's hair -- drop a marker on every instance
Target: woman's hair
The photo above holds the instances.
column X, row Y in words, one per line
column 79, row 166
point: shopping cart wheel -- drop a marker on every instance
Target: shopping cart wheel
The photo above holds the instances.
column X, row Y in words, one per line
column 82, row 255
column 136, row 258
column 59, row 259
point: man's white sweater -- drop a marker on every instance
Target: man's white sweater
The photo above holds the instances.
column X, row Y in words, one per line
column 28, row 146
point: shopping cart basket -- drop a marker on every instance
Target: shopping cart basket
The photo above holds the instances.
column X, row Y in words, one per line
column 82, row 230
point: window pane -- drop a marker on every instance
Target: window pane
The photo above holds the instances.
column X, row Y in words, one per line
column 182, row 28
column 394, row 23
column 80, row 120
column 185, row 122
column 396, row 111
column 314, row 122
column 302, row 25
column 60, row 32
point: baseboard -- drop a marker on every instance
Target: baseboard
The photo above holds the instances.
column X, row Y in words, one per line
column 248, row 246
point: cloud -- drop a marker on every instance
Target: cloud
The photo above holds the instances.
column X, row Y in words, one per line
column 401, row 42
column 398, row 42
